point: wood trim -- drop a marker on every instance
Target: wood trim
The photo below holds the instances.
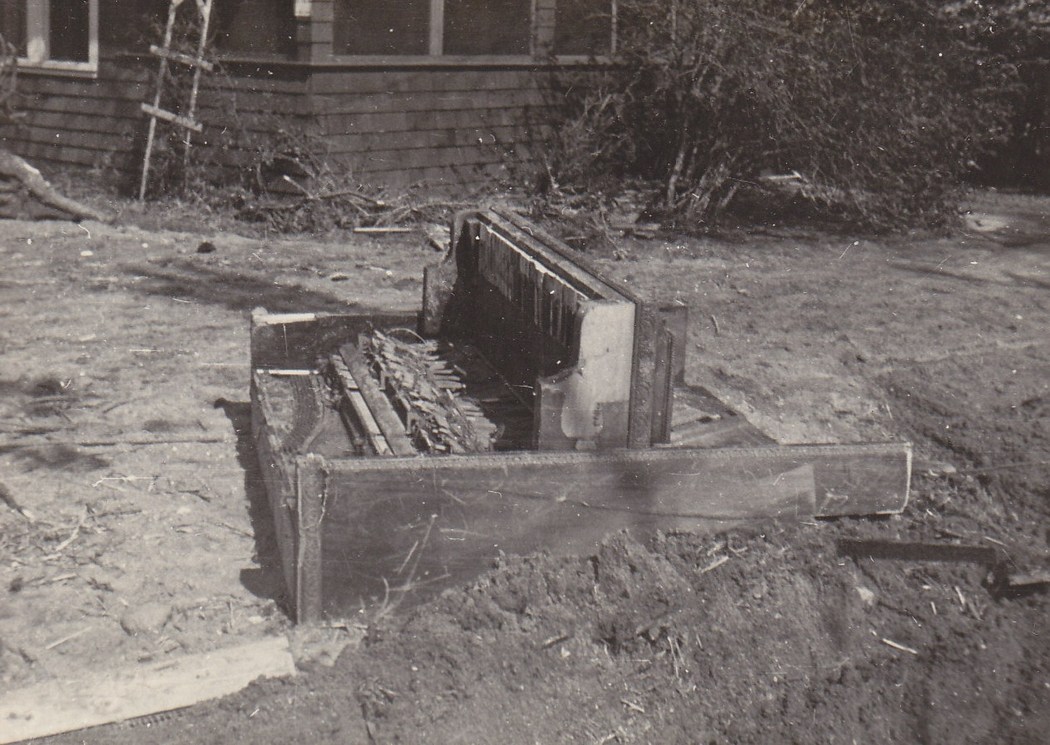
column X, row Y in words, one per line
column 437, row 27
column 38, row 51
column 38, row 21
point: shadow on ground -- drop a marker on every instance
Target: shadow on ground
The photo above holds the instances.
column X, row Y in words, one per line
column 232, row 289
column 267, row 580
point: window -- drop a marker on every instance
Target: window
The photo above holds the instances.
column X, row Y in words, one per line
column 254, row 27
column 583, row 27
column 382, row 27
column 487, row 27
column 433, row 27
column 55, row 34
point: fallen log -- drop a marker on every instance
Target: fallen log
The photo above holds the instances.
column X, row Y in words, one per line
column 26, row 195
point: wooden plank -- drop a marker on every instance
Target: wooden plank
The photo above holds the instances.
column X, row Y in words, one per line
column 411, row 526
column 643, row 386
column 184, row 59
column 413, row 118
column 489, row 138
column 68, row 704
column 378, row 103
column 413, row 80
column 724, row 483
column 662, row 394
column 362, row 413
column 89, row 139
column 85, row 120
column 40, row 153
column 98, row 107
column 916, row 551
column 167, row 116
column 377, row 404
column 555, row 254
column 277, row 481
column 296, row 340
column 311, row 485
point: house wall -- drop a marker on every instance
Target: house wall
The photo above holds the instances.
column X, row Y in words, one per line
column 437, row 123
column 389, row 121
column 72, row 120
column 97, row 121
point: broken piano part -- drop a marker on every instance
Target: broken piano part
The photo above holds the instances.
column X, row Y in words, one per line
column 531, row 404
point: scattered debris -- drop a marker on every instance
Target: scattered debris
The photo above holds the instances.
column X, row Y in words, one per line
column 146, row 618
column 632, row 706
column 867, row 596
column 383, row 229
column 324, row 202
column 714, row 564
column 437, row 422
column 935, row 469
column 555, row 641
column 9, row 499
column 439, row 237
column 1028, row 579
column 72, row 536
column 901, row 647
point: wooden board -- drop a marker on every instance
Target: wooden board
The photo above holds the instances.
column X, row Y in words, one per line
column 125, row 693
column 402, row 529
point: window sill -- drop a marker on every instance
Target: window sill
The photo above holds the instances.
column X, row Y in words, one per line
column 62, row 69
column 457, row 61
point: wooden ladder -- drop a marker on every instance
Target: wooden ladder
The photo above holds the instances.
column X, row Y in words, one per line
column 167, row 55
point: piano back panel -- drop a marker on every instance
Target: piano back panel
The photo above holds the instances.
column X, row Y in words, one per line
column 558, row 332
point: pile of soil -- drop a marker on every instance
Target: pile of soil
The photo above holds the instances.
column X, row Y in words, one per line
column 750, row 637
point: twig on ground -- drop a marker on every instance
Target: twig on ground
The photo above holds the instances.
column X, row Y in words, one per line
column 900, row 647
column 65, row 639
column 238, row 531
column 632, row 706
column 714, row 564
column 555, row 640
column 72, row 536
column 53, row 580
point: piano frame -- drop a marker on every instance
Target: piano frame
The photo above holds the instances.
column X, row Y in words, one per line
column 620, row 440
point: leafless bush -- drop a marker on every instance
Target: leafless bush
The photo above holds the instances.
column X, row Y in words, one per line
column 880, row 107
column 8, row 82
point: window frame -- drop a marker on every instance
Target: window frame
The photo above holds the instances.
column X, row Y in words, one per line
column 38, row 43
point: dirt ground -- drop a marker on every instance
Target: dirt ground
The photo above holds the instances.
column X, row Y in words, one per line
column 133, row 526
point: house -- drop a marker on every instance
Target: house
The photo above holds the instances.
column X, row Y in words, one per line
column 400, row 92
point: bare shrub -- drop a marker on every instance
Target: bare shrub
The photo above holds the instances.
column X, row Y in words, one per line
column 9, row 113
column 880, row 107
